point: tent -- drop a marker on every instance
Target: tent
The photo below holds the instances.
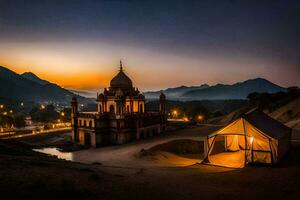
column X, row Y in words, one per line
column 253, row 138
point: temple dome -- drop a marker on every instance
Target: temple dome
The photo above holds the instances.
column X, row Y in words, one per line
column 121, row 80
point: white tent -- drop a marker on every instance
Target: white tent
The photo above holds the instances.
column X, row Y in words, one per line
column 253, row 138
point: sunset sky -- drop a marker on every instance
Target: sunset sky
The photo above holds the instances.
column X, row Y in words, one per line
column 78, row 44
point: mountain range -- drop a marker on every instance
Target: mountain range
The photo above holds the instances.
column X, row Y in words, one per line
column 238, row 90
column 29, row 87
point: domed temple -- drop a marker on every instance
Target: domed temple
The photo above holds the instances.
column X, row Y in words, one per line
column 121, row 116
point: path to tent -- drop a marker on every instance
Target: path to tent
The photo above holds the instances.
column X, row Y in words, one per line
column 128, row 155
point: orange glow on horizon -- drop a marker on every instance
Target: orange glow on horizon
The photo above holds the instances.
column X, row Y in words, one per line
column 70, row 80
column 91, row 66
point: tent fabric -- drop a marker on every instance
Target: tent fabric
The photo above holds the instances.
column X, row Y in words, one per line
column 260, row 138
column 266, row 124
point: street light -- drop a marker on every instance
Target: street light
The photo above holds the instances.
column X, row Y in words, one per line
column 175, row 113
column 62, row 114
column 1, row 106
column 200, row 117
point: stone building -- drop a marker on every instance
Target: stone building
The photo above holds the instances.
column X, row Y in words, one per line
column 121, row 116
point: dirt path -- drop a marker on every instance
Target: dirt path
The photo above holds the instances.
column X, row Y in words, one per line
column 127, row 155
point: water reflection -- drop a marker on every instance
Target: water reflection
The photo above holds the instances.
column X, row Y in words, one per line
column 56, row 152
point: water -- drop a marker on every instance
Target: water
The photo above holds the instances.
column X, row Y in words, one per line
column 56, row 152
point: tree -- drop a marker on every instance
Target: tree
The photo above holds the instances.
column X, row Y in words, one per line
column 19, row 121
column 47, row 114
column 6, row 121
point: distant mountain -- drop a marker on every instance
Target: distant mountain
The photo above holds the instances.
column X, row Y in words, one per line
column 85, row 93
column 29, row 87
column 31, row 76
column 173, row 93
column 220, row 91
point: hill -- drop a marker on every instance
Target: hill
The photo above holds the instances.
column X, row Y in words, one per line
column 173, row 93
column 282, row 106
column 238, row 90
column 289, row 114
column 31, row 76
column 29, row 87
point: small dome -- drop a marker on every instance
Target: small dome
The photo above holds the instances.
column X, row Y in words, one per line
column 162, row 96
column 141, row 96
column 101, row 96
column 74, row 99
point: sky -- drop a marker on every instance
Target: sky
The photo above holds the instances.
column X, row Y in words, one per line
column 78, row 44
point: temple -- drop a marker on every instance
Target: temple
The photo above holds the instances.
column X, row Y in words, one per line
column 121, row 116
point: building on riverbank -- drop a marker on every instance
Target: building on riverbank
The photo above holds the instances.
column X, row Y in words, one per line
column 121, row 116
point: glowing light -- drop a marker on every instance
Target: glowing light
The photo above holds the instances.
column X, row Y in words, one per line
column 4, row 113
column 175, row 113
column 1, row 106
column 62, row 114
column 251, row 140
column 185, row 119
column 22, row 104
column 10, row 111
column 58, row 120
column 200, row 117
column 42, row 107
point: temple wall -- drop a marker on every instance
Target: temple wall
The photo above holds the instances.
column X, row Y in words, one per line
column 149, row 131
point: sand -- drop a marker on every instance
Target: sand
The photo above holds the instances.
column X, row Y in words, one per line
column 29, row 175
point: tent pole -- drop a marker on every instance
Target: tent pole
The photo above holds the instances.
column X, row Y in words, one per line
column 209, row 149
column 225, row 142
column 245, row 142
column 272, row 159
column 252, row 151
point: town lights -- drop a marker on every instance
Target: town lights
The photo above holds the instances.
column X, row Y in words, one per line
column 10, row 111
column 62, row 114
column 200, row 117
column 1, row 106
column 175, row 113
column 22, row 104
column 42, row 107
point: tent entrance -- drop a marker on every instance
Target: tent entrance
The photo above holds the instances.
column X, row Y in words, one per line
column 228, row 151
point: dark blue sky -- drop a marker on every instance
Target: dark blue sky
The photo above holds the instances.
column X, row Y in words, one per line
column 233, row 38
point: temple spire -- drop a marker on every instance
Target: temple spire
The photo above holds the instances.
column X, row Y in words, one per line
column 121, row 65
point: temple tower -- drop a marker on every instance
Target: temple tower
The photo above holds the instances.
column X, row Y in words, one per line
column 162, row 103
column 74, row 118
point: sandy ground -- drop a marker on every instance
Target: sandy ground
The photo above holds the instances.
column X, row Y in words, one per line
column 128, row 155
column 29, row 175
